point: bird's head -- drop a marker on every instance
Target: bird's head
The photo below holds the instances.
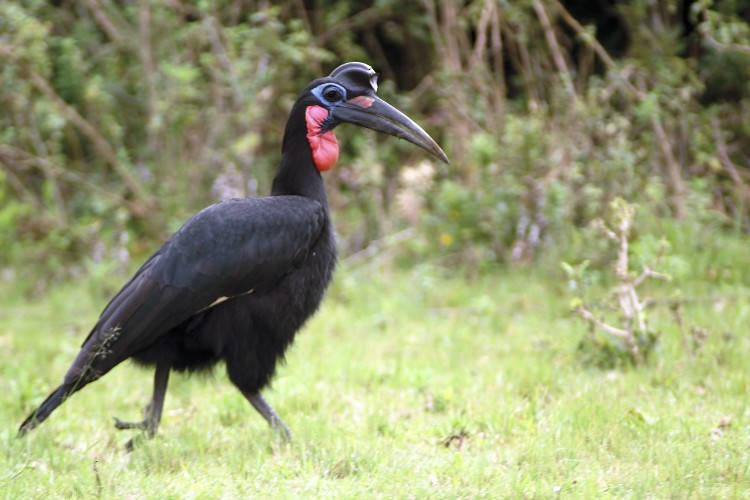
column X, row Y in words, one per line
column 349, row 95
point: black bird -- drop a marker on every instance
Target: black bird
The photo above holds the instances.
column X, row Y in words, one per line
column 241, row 277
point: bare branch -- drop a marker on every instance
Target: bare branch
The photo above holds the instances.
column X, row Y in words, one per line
column 624, row 335
column 606, row 231
column 726, row 162
column 557, row 55
column 648, row 273
column 617, row 332
column 621, row 268
column 104, row 22
column 673, row 168
column 724, row 47
column 584, row 35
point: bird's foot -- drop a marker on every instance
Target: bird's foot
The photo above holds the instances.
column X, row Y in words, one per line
column 152, row 412
column 147, row 424
column 265, row 409
column 281, row 428
column 144, row 425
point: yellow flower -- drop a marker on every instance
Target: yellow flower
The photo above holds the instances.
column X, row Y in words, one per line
column 446, row 239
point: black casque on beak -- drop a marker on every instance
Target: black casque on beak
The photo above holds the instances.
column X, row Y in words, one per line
column 369, row 110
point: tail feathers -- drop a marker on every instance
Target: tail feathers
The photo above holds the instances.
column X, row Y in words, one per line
column 40, row 414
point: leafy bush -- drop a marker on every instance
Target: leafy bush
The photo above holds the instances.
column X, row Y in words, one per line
column 120, row 121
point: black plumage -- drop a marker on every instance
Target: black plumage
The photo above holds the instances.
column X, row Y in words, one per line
column 241, row 277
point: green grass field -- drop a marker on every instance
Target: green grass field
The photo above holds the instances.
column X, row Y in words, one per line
column 408, row 384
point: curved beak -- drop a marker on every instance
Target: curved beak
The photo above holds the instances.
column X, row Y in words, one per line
column 376, row 114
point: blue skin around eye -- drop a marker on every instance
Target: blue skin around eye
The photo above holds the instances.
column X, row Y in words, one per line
column 318, row 92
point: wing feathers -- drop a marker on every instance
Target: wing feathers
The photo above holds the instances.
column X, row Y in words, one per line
column 225, row 250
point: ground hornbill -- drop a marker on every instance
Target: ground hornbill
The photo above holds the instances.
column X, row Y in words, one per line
column 238, row 280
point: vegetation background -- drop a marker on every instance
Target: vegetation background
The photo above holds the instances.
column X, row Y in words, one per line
column 562, row 309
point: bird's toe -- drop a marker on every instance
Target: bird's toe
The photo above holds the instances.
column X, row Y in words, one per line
column 121, row 424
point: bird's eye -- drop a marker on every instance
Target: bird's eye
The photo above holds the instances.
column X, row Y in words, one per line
column 332, row 94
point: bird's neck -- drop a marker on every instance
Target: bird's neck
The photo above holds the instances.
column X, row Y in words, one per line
column 297, row 173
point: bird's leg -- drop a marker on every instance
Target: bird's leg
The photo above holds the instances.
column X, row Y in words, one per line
column 268, row 413
column 153, row 411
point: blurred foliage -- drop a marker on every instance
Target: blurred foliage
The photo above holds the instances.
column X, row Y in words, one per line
column 120, row 120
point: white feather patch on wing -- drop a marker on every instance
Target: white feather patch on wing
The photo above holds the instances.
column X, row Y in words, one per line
column 224, row 299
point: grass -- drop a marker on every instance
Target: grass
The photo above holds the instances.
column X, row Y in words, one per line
column 407, row 384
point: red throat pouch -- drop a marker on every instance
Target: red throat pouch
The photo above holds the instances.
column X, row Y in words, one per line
column 325, row 147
